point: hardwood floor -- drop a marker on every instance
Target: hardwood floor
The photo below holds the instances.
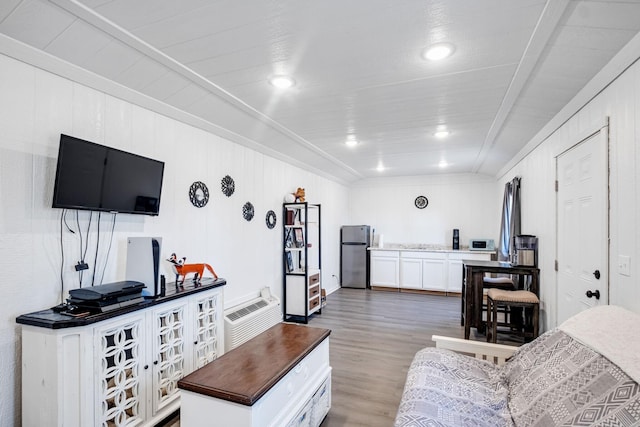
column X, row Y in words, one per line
column 374, row 336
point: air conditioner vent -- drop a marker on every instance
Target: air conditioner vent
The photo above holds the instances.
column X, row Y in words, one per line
column 240, row 313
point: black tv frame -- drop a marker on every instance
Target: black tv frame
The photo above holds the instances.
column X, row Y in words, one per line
column 93, row 184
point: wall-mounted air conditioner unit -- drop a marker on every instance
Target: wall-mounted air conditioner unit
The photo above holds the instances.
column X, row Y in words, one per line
column 245, row 321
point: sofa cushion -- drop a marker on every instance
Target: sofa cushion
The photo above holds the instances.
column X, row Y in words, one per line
column 556, row 380
column 444, row 388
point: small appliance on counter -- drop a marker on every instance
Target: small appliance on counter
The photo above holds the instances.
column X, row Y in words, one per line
column 525, row 250
column 456, row 239
column 482, row 245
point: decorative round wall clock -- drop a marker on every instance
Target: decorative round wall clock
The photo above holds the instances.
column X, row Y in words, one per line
column 271, row 219
column 421, row 202
column 199, row 194
column 228, row 186
column 248, row 211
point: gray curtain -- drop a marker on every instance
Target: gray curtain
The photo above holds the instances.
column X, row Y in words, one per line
column 510, row 222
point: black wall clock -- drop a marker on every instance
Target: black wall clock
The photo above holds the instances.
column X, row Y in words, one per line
column 271, row 219
column 247, row 211
column 228, row 186
column 199, row 194
column 421, row 202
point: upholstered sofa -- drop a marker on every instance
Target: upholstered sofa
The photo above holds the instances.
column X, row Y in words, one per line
column 585, row 372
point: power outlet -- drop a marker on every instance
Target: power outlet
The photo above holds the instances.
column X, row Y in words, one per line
column 624, row 265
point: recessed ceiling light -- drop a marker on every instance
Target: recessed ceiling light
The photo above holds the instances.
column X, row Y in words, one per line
column 282, row 82
column 438, row 51
column 443, row 164
column 351, row 141
column 380, row 167
column 441, row 134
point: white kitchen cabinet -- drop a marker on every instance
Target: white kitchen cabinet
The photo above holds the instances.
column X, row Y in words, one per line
column 117, row 369
column 410, row 273
column 424, row 270
column 454, row 280
column 434, row 271
column 385, row 268
column 430, row 270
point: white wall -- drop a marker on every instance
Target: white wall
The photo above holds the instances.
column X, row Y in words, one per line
column 620, row 101
column 36, row 106
column 464, row 201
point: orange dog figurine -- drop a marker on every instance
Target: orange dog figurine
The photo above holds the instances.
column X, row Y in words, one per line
column 182, row 269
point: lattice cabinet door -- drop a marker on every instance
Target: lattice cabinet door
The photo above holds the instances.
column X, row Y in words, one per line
column 168, row 355
column 207, row 329
column 120, row 393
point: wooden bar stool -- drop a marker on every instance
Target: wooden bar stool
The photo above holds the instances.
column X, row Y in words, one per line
column 506, row 300
column 500, row 282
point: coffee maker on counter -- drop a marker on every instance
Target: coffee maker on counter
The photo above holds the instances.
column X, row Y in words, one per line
column 526, row 250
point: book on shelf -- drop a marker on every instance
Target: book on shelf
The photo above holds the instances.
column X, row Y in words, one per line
column 291, row 217
column 299, row 237
column 288, row 240
column 289, row 262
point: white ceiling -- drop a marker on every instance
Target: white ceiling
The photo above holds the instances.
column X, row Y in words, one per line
column 358, row 68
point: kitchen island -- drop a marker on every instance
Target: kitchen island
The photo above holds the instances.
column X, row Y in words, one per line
column 421, row 267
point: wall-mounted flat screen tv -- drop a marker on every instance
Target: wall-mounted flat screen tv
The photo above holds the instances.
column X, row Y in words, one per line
column 94, row 177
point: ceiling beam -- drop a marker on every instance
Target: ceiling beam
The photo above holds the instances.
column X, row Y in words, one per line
column 547, row 23
column 625, row 58
column 101, row 23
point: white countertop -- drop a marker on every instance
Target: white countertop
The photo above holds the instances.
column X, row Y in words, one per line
column 425, row 248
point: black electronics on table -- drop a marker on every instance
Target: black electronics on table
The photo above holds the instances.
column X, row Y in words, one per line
column 107, row 297
column 95, row 177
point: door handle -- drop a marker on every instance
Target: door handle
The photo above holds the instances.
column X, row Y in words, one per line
column 596, row 274
column 596, row 294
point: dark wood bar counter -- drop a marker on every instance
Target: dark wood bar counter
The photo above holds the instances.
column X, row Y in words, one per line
column 473, row 286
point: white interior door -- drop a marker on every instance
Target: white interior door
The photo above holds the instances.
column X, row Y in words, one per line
column 583, row 241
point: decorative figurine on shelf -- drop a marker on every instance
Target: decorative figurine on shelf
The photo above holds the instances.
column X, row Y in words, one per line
column 182, row 269
column 297, row 197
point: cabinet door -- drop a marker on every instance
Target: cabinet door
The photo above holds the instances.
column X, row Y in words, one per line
column 454, row 269
column 120, row 370
column 168, row 357
column 411, row 273
column 384, row 271
column 455, row 276
column 433, row 274
column 296, row 299
column 207, row 326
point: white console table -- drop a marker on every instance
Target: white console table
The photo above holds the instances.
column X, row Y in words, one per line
column 121, row 367
column 280, row 378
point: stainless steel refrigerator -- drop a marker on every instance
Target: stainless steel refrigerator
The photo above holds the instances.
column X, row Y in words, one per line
column 354, row 257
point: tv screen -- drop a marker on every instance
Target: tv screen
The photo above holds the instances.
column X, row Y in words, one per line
column 94, row 177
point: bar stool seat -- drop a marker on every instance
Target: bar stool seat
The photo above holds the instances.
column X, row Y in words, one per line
column 506, row 300
column 498, row 282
